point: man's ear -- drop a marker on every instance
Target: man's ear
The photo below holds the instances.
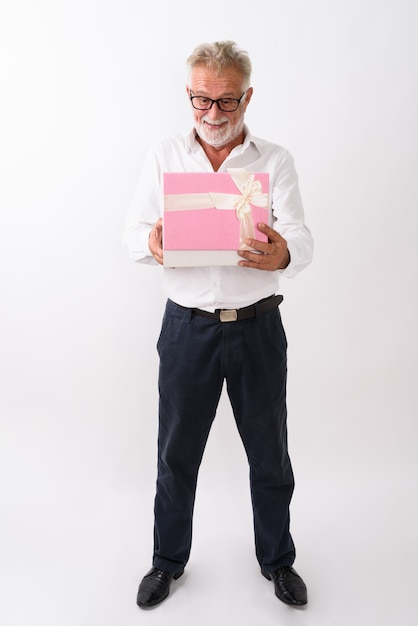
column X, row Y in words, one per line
column 248, row 96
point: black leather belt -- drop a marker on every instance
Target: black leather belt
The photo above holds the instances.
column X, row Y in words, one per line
column 235, row 315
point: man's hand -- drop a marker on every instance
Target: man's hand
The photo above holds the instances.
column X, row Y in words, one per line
column 274, row 254
column 156, row 241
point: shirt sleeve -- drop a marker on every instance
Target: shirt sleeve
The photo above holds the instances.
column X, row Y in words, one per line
column 144, row 210
column 288, row 216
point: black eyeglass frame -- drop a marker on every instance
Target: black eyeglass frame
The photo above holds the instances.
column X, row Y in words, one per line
column 212, row 102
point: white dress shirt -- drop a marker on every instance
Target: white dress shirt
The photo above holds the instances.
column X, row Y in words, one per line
column 225, row 287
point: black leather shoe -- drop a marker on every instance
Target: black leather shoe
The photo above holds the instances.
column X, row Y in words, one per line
column 288, row 585
column 155, row 587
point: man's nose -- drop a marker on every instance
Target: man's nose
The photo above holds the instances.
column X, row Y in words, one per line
column 214, row 111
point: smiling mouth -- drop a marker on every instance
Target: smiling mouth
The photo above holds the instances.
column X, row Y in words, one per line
column 215, row 124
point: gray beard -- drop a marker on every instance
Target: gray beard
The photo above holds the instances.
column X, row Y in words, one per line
column 217, row 139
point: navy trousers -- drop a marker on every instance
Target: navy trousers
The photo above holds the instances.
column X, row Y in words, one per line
column 197, row 355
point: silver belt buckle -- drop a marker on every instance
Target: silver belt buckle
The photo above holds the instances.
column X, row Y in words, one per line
column 228, row 315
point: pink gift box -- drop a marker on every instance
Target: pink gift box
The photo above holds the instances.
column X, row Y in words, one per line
column 207, row 215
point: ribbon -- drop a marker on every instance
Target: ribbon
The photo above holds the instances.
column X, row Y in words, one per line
column 250, row 193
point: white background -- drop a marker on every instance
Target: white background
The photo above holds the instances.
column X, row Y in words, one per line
column 86, row 86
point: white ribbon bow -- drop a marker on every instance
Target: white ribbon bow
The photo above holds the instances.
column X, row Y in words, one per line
column 251, row 193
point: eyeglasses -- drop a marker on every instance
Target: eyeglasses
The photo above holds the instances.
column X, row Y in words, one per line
column 228, row 105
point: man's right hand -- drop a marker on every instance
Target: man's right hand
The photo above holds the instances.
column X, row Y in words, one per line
column 156, row 241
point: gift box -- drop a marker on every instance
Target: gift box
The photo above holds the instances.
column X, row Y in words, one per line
column 208, row 215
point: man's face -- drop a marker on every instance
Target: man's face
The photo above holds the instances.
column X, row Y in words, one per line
column 215, row 127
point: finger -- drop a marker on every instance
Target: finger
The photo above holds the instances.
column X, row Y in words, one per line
column 261, row 246
column 260, row 261
column 256, row 259
column 158, row 256
column 269, row 267
column 272, row 234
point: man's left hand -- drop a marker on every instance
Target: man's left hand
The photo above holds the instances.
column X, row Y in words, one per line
column 274, row 254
